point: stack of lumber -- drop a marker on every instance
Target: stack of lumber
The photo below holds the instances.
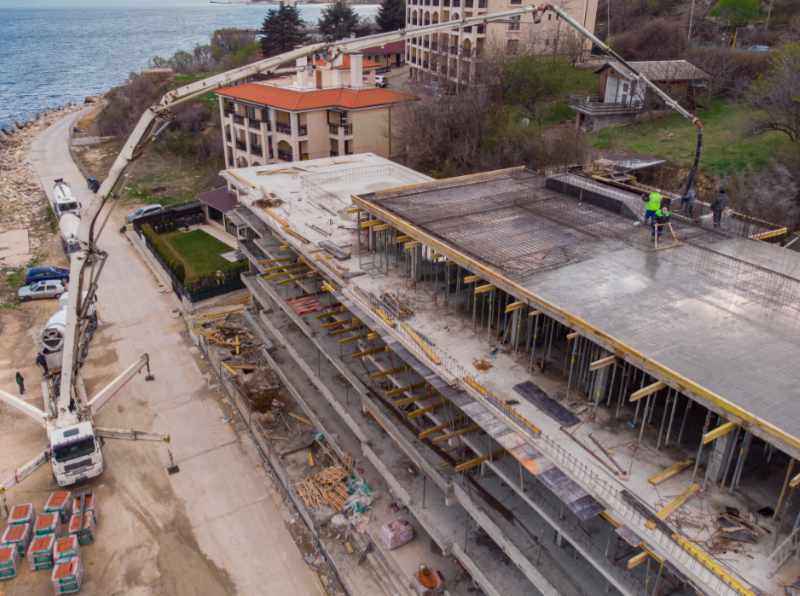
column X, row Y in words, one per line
column 59, row 502
column 326, row 488
column 305, row 305
column 18, row 537
column 9, row 557
column 67, row 576
column 40, row 552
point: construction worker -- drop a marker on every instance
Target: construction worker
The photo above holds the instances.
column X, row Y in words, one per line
column 42, row 361
column 652, row 202
column 662, row 216
column 718, row 206
column 687, row 202
column 21, row 383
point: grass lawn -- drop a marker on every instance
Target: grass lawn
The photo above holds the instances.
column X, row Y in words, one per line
column 199, row 251
column 727, row 146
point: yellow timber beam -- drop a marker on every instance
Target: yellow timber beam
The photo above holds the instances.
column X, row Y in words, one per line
column 407, row 401
column 432, row 430
column 647, row 390
column 422, row 411
column 369, row 351
column 471, row 279
column 514, row 306
column 669, row 472
column 410, row 245
column 675, row 504
column 401, row 390
column 484, row 288
column 720, row 431
column 602, row 362
column 712, row 565
column 476, row 461
column 455, row 433
column 389, row 371
column 402, row 238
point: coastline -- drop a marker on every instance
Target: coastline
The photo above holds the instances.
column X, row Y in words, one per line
column 24, row 201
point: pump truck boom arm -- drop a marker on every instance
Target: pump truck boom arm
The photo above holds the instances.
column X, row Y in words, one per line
column 130, row 434
column 25, row 470
column 106, row 393
column 20, row 405
column 155, row 118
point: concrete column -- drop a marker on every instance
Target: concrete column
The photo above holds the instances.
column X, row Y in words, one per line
column 600, row 380
column 356, row 71
column 718, row 457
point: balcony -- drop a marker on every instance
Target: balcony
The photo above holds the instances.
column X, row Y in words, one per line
column 454, row 50
column 228, row 137
column 482, row 3
column 336, row 129
column 256, row 149
column 238, row 119
column 434, row 46
column 302, row 130
column 592, row 106
column 283, row 128
column 283, row 156
column 241, row 146
column 254, row 124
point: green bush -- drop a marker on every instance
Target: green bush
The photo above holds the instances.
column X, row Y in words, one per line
column 164, row 250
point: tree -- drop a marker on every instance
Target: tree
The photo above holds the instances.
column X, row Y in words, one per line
column 282, row 30
column 391, row 15
column 338, row 21
column 737, row 13
column 776, row 96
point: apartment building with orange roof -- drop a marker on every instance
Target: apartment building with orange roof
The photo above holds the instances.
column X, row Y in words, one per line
column 329, row 107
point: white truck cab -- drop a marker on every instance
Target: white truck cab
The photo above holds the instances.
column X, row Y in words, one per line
column 75, row 453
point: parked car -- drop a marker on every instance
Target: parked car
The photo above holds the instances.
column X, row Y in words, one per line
column 381, row 81
column 44, row 273
column 143, row 212
column 51, row 288
column 758, row 48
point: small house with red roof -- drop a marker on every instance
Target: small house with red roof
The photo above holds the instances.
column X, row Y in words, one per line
column 329, row 107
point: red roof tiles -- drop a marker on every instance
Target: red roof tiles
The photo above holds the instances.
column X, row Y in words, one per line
column 295, row 101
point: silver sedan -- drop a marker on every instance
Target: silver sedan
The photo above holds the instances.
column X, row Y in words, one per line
column 51, row 288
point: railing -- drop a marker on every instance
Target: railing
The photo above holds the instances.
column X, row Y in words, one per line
column 454, row 50
column 302, row 130
column 256, row 150
column 282, row 155
column 785, row 551
column 241, row 146
column 254, row 124
column 284, row 128
column 238, row 119
column 434, row 46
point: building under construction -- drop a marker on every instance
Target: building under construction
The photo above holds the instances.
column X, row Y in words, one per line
column 588, row 410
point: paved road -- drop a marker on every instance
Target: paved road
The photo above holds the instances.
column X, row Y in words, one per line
column 217, row 527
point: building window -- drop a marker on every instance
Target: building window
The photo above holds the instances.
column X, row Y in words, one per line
column 514, row 23
column 334, row 148
column 512, row 45
column 516, row 1
column 348, row 147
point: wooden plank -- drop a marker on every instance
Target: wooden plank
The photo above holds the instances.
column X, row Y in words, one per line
column 455, row 433
column 369, row 351
column 349, row 340
column 476, row 461
column 794, row 482
column 410, row 245
column 422, row 411
column 637, row 560
column 669, row 472
column 401, row 390
column 573, row 335
column 389, row 371
column 611, row 519
column 380, row 228
column 645, row 391
column 534, row 313
column 603, row 362
column 369, row 223
column 484, row 288
column 402, row 238
column 675, row 504
column 720, row 431
column 407, row 401
column 471, row 279
column 514, row 306
column 344, row 330
column 335, row 324
column 432, row 430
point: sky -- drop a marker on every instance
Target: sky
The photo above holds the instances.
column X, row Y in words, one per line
column 98, row 3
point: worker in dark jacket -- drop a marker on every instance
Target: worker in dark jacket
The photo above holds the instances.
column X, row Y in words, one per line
column 718, row 206
column 42, row 361
column 687, row 202
column 21, row 383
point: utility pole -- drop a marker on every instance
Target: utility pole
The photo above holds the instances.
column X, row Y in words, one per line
column 769, row 14
column 691, row 20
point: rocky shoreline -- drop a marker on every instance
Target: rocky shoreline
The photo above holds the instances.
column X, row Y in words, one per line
column 24, row 203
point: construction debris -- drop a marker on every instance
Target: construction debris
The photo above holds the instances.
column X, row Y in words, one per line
column 482, row 364
column 396, row 533
column 260, row 387
column 326, row 488
column 305, row 305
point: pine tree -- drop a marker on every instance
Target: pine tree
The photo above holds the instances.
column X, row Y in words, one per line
column 338, row 21
column 391, row 15
column 282, row 30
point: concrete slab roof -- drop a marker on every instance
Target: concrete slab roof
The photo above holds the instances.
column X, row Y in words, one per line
column 716, row 316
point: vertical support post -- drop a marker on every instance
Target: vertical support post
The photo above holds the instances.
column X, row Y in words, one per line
column 700, row 448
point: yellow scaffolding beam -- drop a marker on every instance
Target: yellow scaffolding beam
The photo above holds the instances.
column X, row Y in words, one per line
column 421, row 411
column 720, row 431
column 602, row 362
column 401, row 390
column 389, row 371
column 645, row 391
column 675, row 504
column 484, row 288
column 514, row 306
column 669, row 472
column 369, row 351
column 455, row 433
column 476, row 461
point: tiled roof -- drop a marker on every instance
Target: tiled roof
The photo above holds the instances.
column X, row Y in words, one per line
column 395, row 47
column 219, row 198
column 659, row 70
column 315, row 99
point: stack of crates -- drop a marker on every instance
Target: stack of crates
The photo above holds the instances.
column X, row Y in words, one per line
column 46, row 523
column 83, row 522
column 22, row 514
column 40, row 552
column 67, row 576
column 66, row 548
column 18, row 537
column 59, row 502
column 9, row 557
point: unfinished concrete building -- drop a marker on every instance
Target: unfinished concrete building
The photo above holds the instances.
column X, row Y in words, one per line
column 586, row 412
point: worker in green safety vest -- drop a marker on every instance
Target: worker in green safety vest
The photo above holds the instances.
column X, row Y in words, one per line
column 661, row 217
column 652, row 203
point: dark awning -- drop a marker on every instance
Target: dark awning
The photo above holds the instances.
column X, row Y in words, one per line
column 220, row 199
